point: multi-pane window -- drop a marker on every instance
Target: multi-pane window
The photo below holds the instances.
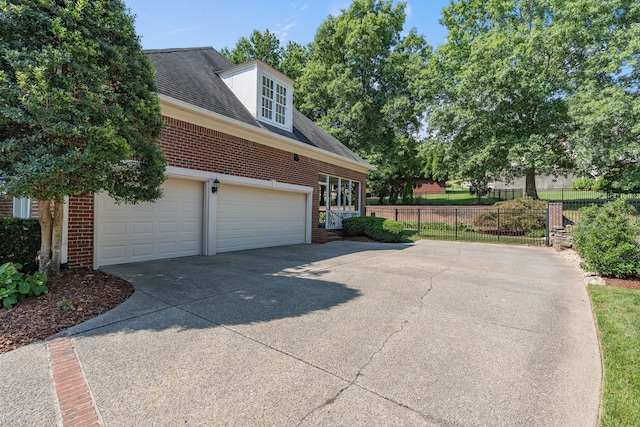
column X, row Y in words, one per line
column 281, row 103
column 274, row 93
column 267, row 98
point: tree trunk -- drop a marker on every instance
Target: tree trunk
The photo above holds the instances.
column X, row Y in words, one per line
column 530, row 183
column 51, row 243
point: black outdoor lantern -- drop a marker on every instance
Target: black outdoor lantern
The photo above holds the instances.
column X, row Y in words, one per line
column 214, row 185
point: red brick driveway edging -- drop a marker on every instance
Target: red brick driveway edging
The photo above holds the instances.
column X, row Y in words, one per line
column 75, row 401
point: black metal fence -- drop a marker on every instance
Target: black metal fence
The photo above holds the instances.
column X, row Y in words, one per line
column 478, row 224
column 571, row 208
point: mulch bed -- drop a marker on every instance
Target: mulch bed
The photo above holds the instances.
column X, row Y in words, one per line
column 90, row 293
column 623, row 283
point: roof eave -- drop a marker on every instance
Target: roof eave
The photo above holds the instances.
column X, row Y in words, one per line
column 181, row 110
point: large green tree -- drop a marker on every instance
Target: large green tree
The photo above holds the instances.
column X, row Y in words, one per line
column 79, row 111
column 606, row 102
column 501, row 81
column 289, row 59
column 363, row 83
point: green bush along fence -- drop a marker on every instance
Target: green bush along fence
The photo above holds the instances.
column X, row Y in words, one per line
column 478, row 224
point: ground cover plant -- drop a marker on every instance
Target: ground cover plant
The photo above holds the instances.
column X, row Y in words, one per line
column 617, row 311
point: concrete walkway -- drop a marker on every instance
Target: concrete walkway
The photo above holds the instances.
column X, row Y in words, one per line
column 344, row 334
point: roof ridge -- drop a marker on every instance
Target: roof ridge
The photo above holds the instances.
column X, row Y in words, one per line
column 179, row 49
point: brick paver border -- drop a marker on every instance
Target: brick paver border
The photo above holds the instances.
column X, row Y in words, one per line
column 75, row 401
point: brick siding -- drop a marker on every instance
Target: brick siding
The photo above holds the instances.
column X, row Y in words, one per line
column 195, row 147
column 427, row 186
column 6, row 206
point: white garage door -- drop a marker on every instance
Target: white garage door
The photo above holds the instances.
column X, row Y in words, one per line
column 249, row 218
column 170, row 227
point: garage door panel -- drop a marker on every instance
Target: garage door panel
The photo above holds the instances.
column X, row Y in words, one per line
column 250, row 218
column 171, row 227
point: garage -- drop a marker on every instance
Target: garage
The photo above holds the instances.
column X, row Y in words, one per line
column 249, row 218
column 170, row 227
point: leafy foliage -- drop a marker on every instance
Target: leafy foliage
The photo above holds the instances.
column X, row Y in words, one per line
column 499, row 84
column 605, row 103
column 380, row 229
column 290, row 60
column 15, row 286
column 364, row 84
column 79, row 110
column 521, row 216
column 20, row 242
column 583, row 184
column 607, row 238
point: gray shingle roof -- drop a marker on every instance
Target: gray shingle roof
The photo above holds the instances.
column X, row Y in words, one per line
column 189, row 75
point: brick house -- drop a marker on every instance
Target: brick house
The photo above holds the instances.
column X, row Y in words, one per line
column 245, row 170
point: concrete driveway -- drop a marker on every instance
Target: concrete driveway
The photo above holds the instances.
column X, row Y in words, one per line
column 347, row 333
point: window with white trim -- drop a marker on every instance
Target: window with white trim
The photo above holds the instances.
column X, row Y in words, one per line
column 21, row 207
column 274, row 94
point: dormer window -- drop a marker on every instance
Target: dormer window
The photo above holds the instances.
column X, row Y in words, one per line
column 274, row 101
column 266, row 92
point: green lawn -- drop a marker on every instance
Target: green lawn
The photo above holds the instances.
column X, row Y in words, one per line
column 455, row 196
column 617, row 312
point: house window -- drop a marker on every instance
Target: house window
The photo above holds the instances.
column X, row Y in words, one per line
column 281, row 103
column 21, row 207
column 274, row 93
column 267, row 98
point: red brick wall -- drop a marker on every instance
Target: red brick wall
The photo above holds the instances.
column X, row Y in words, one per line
column 427, row 186
column 6, row 206
column 80, row 243
column 194, row 147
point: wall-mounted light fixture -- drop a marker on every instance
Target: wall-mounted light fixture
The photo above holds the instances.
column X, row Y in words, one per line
column 296, row 157
column 214, row 185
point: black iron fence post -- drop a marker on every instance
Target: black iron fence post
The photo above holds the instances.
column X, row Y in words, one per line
column 498, row 225
column 396, row 214
column 418, row 221
column 456, row 219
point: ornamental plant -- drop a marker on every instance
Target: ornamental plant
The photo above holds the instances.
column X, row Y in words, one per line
column 16, row 286
column 607, row 238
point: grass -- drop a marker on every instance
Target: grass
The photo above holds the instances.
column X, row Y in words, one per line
column 617, row 312
column 454, row 196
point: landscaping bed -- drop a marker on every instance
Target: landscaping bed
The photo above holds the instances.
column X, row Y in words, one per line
column 74, row 297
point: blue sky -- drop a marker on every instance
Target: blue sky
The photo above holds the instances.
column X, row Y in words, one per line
column 194, row 23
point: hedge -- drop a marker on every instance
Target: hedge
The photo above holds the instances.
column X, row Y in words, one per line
column 20, row 242
column 380, row 229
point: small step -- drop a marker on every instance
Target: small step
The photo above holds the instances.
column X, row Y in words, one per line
column 334, row 235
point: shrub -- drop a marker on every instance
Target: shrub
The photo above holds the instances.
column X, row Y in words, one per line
column 380, row 229
column 352, row 227
column 517, row 215
column 607, row 238
column 20, row 242
column 16, row 286
column 583, row 184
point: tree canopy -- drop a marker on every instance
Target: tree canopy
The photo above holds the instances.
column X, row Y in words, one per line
column 363, row 84
column 606, row 102
column 266, row 46
column 79, row 111
column 501, row 81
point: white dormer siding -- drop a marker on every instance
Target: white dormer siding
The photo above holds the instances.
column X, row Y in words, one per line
column 264, row 91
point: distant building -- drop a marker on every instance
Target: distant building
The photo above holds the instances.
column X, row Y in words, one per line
column 422, row 187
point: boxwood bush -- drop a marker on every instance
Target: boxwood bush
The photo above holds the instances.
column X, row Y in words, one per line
column 380, row 229
column 20, row 242
column 607, row 238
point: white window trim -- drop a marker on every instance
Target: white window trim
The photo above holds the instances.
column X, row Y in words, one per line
column 21, row 207
column 288, row 106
